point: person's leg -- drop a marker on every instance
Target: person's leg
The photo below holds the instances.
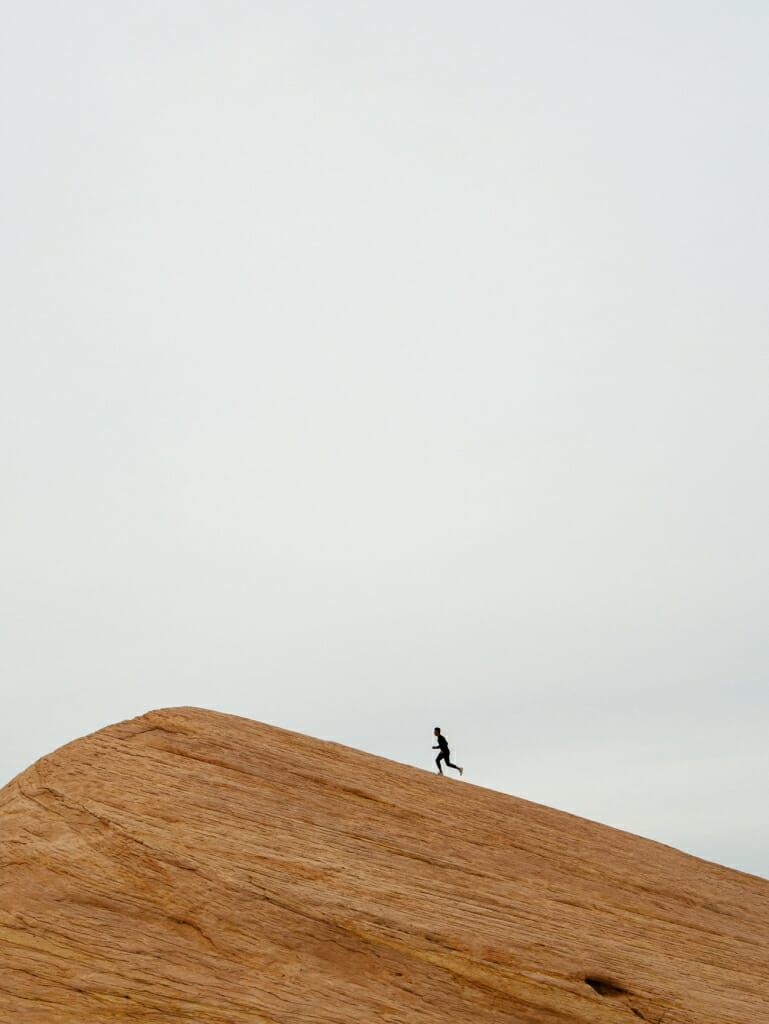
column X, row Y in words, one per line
column 438, row 760
column 454, row 766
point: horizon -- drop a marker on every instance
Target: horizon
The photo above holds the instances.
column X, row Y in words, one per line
column 430, row 769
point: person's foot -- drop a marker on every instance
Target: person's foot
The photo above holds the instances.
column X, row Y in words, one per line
column 461, row 772
column 440, row 772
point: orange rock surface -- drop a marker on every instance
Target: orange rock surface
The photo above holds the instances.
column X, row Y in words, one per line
column 188, row 866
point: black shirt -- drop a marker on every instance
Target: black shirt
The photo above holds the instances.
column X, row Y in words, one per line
column 443, row 743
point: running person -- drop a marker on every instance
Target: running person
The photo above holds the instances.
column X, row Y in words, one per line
column 445, row 753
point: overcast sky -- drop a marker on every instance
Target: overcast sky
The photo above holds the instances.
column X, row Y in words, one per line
column 370, row 366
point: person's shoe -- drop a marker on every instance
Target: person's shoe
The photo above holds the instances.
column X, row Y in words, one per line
column 461, row 772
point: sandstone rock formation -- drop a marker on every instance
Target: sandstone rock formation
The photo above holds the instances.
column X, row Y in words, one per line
column 189, row 866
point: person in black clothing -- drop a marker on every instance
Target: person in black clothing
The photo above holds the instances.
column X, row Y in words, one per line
column 445, row 754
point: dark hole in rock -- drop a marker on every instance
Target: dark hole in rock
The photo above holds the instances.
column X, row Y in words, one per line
column 605, row 988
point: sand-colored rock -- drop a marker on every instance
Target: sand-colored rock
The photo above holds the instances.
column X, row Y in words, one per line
column 188, row 866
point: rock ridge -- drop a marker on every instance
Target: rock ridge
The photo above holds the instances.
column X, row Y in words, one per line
column 191, row 866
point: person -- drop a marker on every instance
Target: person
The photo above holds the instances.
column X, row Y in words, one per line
column 445, row 753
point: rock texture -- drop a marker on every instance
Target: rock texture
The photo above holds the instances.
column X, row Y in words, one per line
column 188, row 866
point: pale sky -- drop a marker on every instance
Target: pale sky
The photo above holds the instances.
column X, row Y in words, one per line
column 374, row 366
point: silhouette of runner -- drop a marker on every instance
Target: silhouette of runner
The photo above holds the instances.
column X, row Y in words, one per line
column 445, row 753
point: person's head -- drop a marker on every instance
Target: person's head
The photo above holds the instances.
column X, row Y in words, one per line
column 436, row 731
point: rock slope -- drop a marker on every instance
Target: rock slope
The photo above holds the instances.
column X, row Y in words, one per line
column 188, row 866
